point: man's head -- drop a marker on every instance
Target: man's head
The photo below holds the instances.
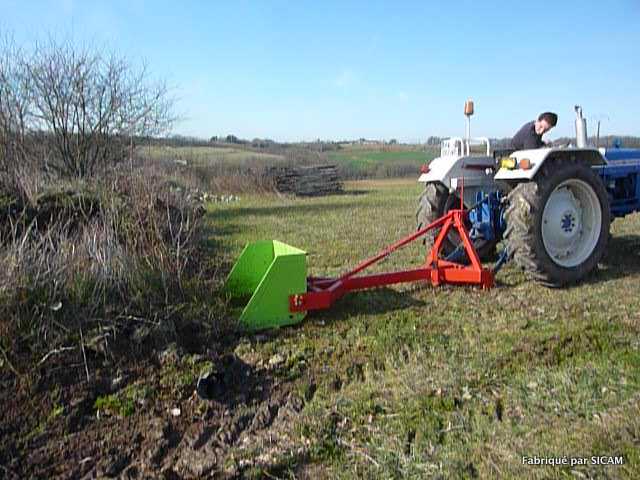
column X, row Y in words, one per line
column 546, row 121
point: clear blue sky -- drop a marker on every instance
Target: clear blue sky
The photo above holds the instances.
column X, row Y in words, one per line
column 296, row 70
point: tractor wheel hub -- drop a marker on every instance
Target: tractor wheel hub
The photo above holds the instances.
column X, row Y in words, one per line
column 571, row 222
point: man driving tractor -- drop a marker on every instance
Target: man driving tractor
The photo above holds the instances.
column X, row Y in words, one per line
column 530, row 135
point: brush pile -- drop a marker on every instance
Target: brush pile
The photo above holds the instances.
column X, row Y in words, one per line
column 306, row 181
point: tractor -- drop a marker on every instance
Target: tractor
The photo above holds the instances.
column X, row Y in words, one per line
column 551, row 207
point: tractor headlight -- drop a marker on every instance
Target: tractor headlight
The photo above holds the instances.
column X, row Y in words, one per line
column 508, row 162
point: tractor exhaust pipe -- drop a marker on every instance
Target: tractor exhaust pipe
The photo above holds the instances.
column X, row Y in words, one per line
column 468, row 111
column 581, row 128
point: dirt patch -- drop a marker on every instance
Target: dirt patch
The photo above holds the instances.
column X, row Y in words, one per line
column 154, row 420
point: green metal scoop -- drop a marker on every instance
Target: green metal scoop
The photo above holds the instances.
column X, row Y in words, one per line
column 264, row 276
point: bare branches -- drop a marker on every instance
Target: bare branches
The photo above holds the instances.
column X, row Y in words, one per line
column 54, row 352
column 81, row 104
column 84, row 355
column 14, row 104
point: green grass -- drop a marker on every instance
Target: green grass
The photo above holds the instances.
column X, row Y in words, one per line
column 209, row 155
column 362, row 162
column 125, row 402
column 366, row 157
column 413, row 381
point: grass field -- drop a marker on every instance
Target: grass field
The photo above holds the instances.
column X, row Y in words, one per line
column 410, row 382
column 354, row 161
column 209, row 155
column 377, row 163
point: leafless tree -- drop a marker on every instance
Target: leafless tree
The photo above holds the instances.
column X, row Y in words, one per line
column 74, row 110
column 14, row 103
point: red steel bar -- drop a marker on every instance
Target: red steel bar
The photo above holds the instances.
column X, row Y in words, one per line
column 392, row 248
column 323, row 292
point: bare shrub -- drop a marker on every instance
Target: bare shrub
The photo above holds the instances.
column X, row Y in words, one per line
column 14, row 105
column 138, row 254
column 75, row 110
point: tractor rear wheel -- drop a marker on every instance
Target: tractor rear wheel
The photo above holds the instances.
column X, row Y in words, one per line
column 433, row 203
column 558, row 224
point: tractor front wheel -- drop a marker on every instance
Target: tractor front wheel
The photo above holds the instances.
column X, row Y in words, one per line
column 558, row 224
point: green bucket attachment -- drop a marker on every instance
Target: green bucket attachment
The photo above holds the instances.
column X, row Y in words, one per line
column 266, row 273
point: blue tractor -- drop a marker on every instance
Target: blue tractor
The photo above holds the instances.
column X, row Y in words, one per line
column 551, row 207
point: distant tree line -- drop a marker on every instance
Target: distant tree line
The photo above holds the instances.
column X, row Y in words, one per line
column 624, row 141
column 610, row 141
column 330, row 145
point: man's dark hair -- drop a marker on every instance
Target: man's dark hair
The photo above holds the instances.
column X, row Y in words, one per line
column 550, row 117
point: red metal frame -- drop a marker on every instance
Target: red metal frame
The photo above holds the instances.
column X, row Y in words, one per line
column 323, row 292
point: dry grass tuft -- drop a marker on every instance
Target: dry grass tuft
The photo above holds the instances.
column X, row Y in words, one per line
column 78, row 253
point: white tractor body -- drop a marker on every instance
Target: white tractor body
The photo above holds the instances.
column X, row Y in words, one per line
column 458, row 168
column 537, row 157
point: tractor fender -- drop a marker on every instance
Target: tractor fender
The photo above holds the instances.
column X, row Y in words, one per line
column 447, row 170
column 538, row 157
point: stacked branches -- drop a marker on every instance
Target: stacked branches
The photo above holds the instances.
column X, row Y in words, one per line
column 307, row 181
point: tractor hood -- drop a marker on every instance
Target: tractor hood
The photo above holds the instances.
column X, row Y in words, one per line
column 538, row 156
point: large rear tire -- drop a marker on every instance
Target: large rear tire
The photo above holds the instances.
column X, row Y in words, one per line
column 558, row 224
column 433, row 203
